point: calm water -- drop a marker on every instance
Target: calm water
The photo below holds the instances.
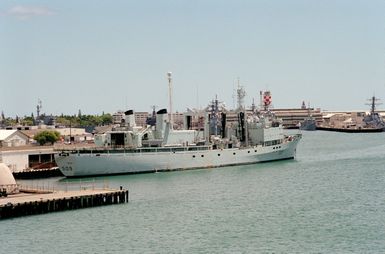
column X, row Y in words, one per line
column 330, row 199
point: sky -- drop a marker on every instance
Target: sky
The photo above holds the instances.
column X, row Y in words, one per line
column 103, row 56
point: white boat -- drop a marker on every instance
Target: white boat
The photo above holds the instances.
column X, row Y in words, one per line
column 252, row 138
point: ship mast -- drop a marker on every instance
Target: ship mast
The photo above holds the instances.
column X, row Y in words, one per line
column 214, row 114
column 240, row 96
column 373, row 103
column 253, row 107
column 170, row 98
column 242, row 114
column 38, row 109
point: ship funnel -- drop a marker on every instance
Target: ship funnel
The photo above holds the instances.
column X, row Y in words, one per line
column 130, row 118
column 161, row 119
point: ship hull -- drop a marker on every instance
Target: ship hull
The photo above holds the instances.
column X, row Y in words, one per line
column 308, row 125
column 351, row 130
column 113, row 163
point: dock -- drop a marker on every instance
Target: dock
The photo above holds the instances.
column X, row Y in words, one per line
column 24, row 203
column 350, row 130
column 38, row 173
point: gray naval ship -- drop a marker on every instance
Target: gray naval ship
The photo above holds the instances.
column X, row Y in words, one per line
column 250, row 136
column 373, row 119
column 309, row 123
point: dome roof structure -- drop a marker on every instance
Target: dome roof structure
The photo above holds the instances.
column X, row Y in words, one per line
column 7, row 181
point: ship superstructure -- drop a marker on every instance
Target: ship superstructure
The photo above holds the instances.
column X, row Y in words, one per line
column 373, row 119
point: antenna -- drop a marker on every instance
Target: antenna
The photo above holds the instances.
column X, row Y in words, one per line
column 153, row 112
column 38, row 108
column 170, row 97
column 373, row 103
column 234, row 95
column 240, row 96
column 253, row 106
column 198, row 107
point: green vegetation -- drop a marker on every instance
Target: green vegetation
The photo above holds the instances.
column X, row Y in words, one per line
column 44, row 137
column 8, row 121
column 84, row 120
column 27, row 121
column 78, row 120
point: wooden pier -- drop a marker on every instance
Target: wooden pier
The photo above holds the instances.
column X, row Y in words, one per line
column 38, row 203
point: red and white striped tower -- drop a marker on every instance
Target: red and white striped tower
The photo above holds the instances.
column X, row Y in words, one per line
column 267, row 100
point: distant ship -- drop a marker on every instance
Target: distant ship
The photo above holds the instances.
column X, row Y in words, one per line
column 374, row 120
column 371, row 122
column 250, row 138
column 309, row 123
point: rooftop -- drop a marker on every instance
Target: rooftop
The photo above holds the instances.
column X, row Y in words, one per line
column 6, row 133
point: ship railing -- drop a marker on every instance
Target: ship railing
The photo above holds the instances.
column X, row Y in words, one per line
column 37, row 187
column 71, row 185
column 293, row 137
column 47, row 187
column 101, row 150
column 8, row 189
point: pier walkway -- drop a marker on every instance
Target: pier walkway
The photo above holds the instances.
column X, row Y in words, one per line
column 22, row 204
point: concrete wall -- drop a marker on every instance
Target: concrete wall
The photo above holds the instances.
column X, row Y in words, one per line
column 18, row 160
column 15, row 160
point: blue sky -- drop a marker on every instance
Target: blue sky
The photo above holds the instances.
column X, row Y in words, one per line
column 109, row 55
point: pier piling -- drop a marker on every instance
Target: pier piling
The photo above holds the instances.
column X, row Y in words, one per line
column 22, row 205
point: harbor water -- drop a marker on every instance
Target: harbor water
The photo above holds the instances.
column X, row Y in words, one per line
column 330, row 199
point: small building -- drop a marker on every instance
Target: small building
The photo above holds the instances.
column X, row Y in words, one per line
column 336, row 120
column 344, row 119
column 292, row 117
column 141, row 118
column 12, row 138
column 25, row 158
column 74, row 134
column 118, row 117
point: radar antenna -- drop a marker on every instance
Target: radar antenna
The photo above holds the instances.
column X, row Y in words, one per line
column 240, row 96
column 38, row 108
column 373, row 103
column 170, row 98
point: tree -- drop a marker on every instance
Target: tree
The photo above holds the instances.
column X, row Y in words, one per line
column 2, row 119
column 44, row 137
column 27, row 121
column 106, row 119
column 33, row 119
column 9, row 122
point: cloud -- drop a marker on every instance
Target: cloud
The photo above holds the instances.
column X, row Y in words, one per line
column 24, row 12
